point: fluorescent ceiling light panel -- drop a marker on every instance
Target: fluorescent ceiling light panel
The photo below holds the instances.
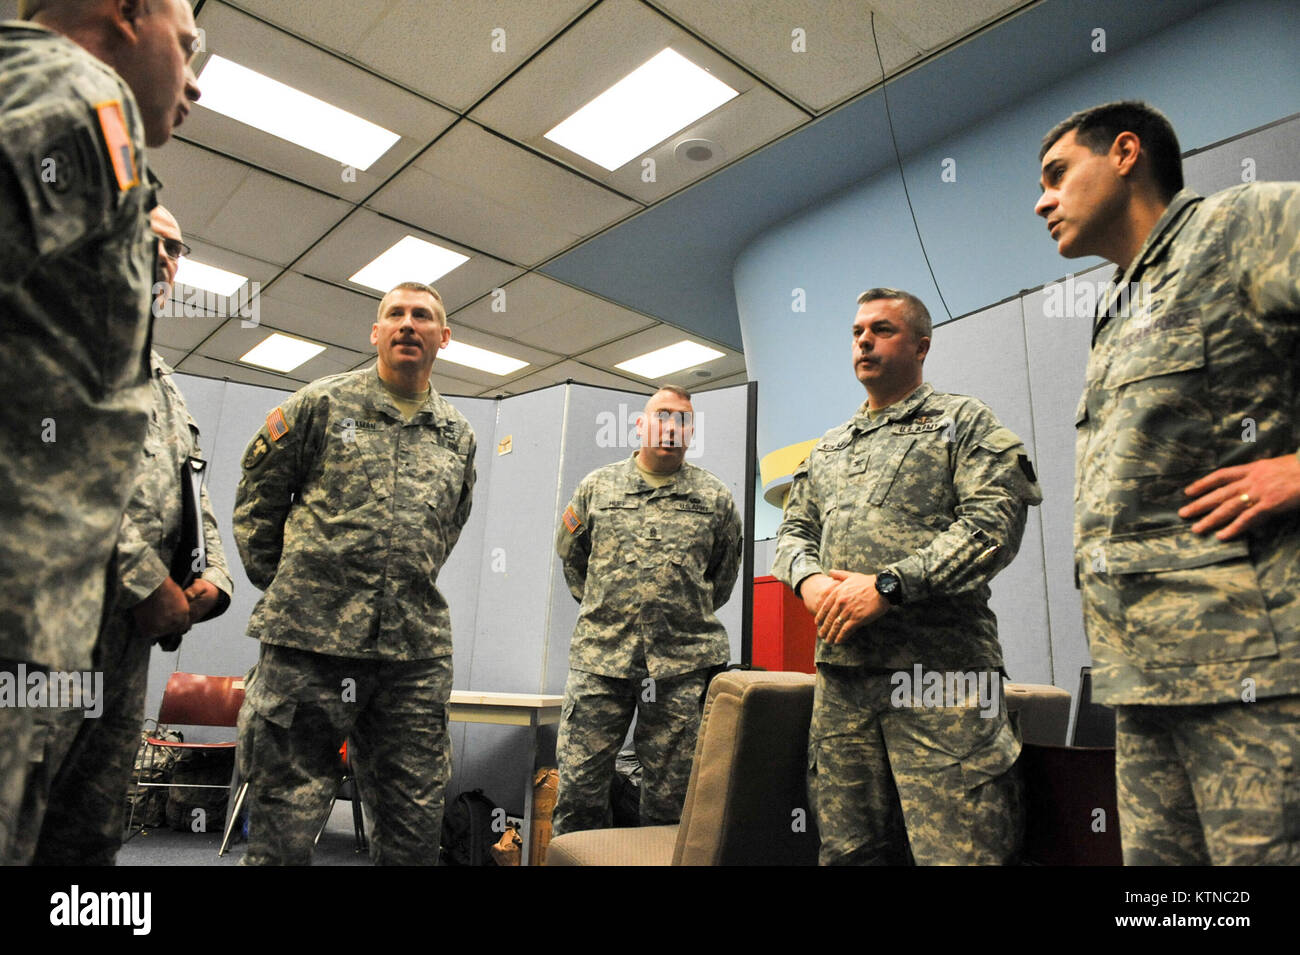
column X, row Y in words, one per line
column 660, row 97
column 208, row 277
column 480, row 358
column 281, row 353
column 670, row 358
column 269, row 105
column 410, row 260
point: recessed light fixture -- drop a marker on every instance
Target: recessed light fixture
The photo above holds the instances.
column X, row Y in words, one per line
column 281, row 353
column 208, row 277
column 474, row 357
column 670, row 358
column 410, row 260
column 276, row 108
column 663, row 95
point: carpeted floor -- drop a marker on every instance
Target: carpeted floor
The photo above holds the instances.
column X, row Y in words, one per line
column 165, row 846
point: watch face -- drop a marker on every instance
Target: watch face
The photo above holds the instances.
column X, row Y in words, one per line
column 888, row 585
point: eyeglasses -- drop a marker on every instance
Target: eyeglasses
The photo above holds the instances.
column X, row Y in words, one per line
column 174, row 248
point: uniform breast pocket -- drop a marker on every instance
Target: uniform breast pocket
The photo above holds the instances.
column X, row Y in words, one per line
column 1160, row 422
column 441, row 475
column 616, row 527
column 345, row 472
column 688, row 534
column 920, row 483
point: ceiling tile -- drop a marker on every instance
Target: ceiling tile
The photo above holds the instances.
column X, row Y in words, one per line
column 576, row 371
column 838, row 58
column 175, row 328
column 602, row 48
column 539, row 311
column 535, row 357
column 241, row 207
column 937, row 23
column 488, row 193
column 314, row 309
column 712, row 385
column 261, row 47
column 244, row 374
column 365, row 234
column 233, row 341
column 607, row 356
column 460, row 32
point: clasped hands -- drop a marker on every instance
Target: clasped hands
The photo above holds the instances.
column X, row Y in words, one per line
column 842, row 602
column 171, row 611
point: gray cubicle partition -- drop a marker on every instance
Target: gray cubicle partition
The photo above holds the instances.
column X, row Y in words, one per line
column 512, row 614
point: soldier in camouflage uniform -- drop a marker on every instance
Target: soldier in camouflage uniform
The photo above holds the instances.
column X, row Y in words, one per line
column 81, row 93
column 650, row 548
column 1187, row 507
column 352, row 496
column 893, row 527
column 89, row 761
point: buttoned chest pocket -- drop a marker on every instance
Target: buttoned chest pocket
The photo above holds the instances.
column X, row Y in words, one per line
column 1159, row 422
column 686, row 529
column 920, row 478
column 348, row 460
column 432, row 470
column 617, row 524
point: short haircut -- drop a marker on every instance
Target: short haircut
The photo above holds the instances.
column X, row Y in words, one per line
column 678, row 390
column 1096, row 128
column 915, row 313
column 413, row 287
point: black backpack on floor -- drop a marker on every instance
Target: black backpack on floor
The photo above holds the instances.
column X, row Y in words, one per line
column 467, row 832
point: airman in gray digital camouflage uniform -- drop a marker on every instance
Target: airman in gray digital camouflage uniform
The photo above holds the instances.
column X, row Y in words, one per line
column 353, row 495
column 82, row 91
column 88, row 762
column 1187, row 513
column 893, row 527
column 651, row 548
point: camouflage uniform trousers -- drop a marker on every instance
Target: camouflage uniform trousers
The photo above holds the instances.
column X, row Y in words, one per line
column 75, row 809
column 597, row 711
column 298, row 709
column 1212, row 784
column 17, row 730
column 881, row 779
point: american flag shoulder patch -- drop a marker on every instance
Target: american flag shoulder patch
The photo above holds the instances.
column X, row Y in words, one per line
column 276, row 426
column 571, row 520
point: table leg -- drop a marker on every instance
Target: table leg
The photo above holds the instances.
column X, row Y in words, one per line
column 525, row 857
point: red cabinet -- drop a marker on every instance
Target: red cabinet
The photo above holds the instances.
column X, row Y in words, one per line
column 784, row 631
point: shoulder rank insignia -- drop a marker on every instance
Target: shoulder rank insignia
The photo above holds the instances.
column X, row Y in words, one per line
column 276, row 426
column 112, row 122
column 257, row 453
column 571, row 520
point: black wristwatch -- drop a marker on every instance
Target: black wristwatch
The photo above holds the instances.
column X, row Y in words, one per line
column 890, row 587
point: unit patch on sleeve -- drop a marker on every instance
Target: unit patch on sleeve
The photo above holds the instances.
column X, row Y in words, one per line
column 257, row 453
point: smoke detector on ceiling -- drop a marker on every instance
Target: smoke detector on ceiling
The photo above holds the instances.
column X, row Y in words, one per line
column 697, row 151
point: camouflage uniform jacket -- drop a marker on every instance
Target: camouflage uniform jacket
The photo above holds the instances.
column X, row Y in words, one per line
column 649, row 566
column 76, row 270
column 935, row 490
column 344, row 515
column 1203, row 372
column 151, row 527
